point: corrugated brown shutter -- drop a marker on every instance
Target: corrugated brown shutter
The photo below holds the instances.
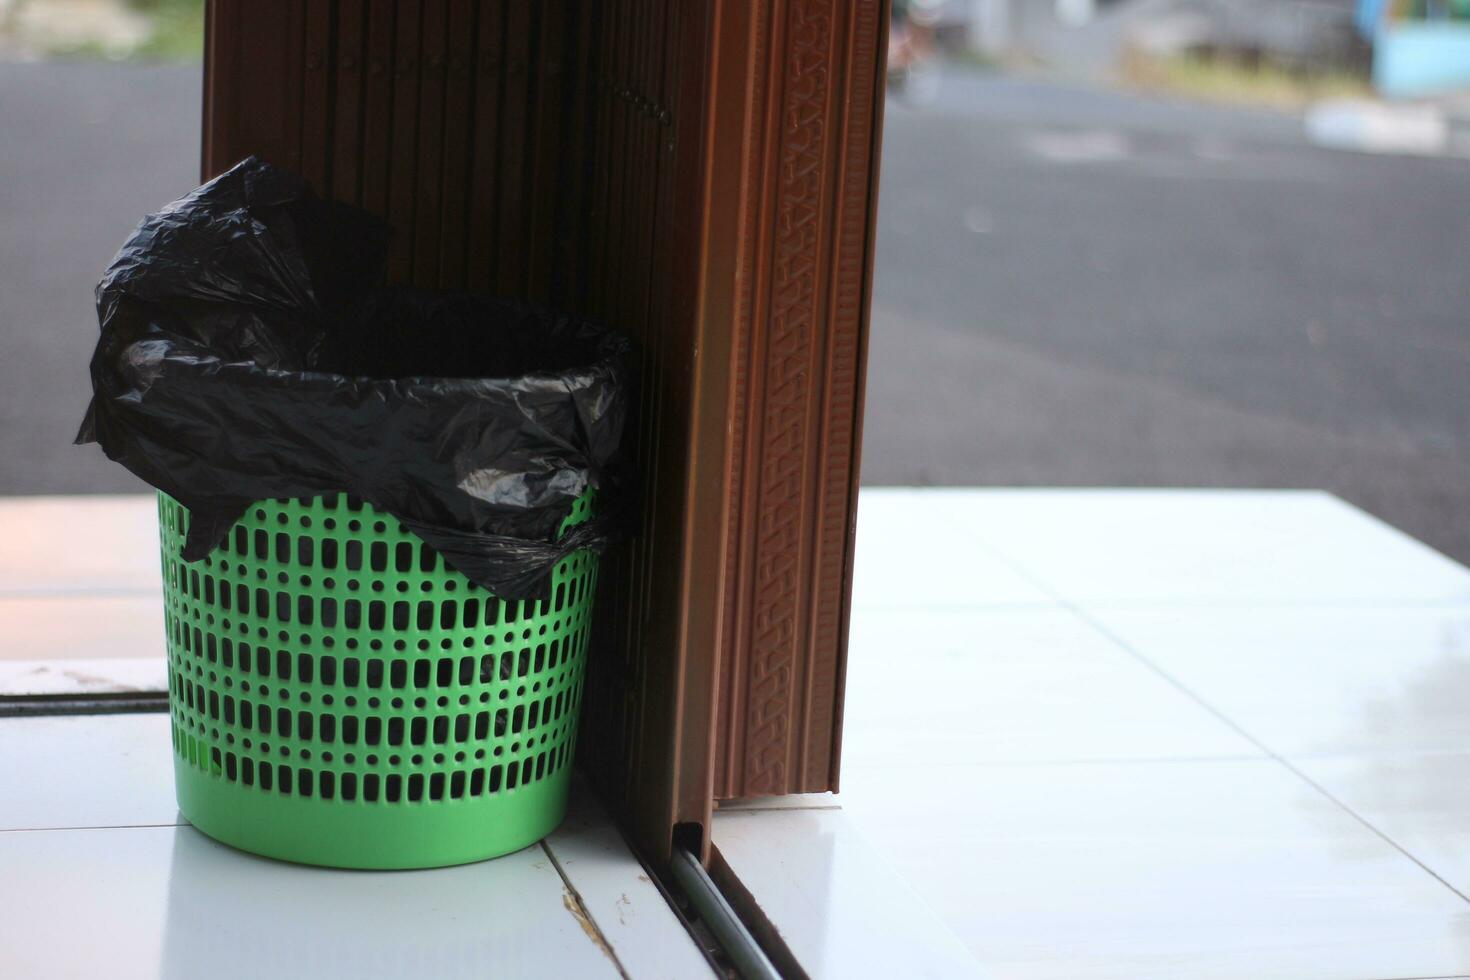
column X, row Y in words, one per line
column 701, row 175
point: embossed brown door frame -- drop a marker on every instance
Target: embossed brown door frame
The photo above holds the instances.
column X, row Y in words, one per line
column 702, row 174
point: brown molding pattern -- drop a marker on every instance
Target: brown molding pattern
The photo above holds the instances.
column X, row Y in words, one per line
column 811, row 180
column 701, row 175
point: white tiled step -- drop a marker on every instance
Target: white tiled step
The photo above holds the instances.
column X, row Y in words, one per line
column 71, row 627
column 936, row 688
column 1214, row 870
column 110, row 675
column 87, row 771
column 1152, row 546
column 838, row 906
column 169, row 902
column 1311, row 680
column 76, row 545
column 157, row 899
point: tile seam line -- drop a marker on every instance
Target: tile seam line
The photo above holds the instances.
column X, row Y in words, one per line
column 1086, row 617
column 977, row 537
column 104, row 826
column 612, row 954
column 1272, row 753
column 83, row 592
column 1338, row 604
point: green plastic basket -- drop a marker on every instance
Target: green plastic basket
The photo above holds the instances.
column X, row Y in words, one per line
column 341, row 697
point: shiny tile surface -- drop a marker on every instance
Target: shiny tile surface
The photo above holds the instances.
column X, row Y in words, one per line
column 1141, row 546
column 913, row 552
column 1233, row 747
column 168, row 902
column 86, row 771
column 72, row 627
column 1311, row 680
column 1221, row 869
column 1420, row 800
column 82, row 544
column 949, row 687
column 627, row 906
column 839, row 907
column 92, row 846
column 112, row 675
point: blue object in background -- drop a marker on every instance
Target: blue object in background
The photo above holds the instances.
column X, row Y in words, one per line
column 1369, row 17
column 1416, row 58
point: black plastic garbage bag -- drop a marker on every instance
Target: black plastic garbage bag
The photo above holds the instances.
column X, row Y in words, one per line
column 248, row 351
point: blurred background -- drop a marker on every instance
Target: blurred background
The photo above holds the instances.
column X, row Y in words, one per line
column 1122, row 242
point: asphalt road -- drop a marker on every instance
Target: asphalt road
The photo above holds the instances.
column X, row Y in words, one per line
column 1073, row 287
column 1090, row 289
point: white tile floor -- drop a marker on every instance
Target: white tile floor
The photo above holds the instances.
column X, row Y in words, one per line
column 1118, row 734
column 102, row 878
column 79, row 595
column 1133, row 734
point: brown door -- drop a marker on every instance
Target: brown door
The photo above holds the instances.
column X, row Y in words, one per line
column 702, row 176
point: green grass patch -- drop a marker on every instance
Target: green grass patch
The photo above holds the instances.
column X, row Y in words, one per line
column 178, row 29
column 1224, row 80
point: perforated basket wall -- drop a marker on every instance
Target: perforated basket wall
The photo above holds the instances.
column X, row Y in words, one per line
column 340, row 696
